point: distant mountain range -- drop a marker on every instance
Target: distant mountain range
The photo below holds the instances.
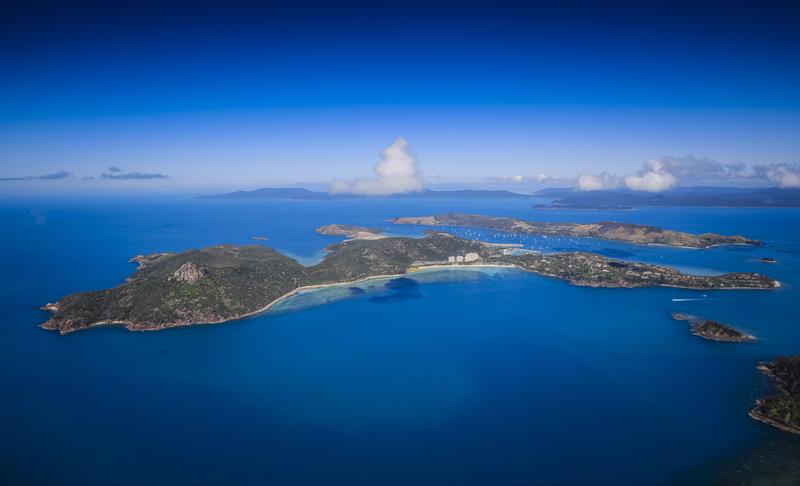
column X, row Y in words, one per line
column 772, row 197
column 302, row 193
column 568, row 198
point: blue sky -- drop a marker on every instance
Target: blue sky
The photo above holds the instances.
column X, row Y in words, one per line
column 238, row 95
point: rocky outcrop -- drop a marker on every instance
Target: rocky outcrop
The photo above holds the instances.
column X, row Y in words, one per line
column 188, row 273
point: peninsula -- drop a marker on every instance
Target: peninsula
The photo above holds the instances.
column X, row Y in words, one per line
column 351, row 232
column 226, row 282
column 781, row 410
column 625, row 232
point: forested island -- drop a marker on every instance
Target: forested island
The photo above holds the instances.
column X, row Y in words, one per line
column 350, row 231
column 625, row 232
column 228, row 282
column 714, row 330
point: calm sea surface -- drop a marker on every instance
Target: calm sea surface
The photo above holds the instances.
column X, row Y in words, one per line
column 452, row 377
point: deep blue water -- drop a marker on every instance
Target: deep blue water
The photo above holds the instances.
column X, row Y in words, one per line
column 454, row 377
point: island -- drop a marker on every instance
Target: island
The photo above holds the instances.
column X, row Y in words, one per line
column 584, row 207
column 227, row 282
column 713, row 330
column 351, row 232
column 697, row 197
column 625, row 232
column 301, row 193
column 781, row 410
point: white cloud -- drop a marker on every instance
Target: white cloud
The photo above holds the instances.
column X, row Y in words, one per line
column 339, row 186
column 518, row 178
column 396, row 173
column 660, row 175
column 600, row 182
column 784, row 175
column 653, row 178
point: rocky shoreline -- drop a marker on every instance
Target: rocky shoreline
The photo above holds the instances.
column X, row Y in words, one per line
column 782, row 410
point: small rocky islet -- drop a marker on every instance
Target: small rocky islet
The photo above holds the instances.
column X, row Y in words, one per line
column 714, row 330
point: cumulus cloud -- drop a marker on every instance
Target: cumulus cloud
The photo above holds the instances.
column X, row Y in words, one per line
column 47, row 177
column 654, row 177
column 396, row 173
column 703, row 170
column 509, row 178
column 660, row 175
column 519, row 178
column 784, row 175
column 601, row 182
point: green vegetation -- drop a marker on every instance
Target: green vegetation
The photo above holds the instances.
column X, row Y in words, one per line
column 629, row 233
column 713, row 330
column 781, row 410
column 227, row 282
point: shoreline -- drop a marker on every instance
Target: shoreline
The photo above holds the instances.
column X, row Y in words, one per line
column 130, row 326
column 759, row 417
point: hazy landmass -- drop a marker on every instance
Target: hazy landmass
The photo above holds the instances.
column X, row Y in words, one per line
column 302, row 193
column 772, row 197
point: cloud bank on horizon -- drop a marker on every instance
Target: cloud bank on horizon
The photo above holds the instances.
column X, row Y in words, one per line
column 46, row 177
column 664, row 174
column 115, row 172
column 396, row 173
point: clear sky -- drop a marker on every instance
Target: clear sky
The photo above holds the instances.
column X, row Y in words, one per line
column 238, row 95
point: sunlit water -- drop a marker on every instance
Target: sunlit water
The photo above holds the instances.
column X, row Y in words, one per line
column 489, row 376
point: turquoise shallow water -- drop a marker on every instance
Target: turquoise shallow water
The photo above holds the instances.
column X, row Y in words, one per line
column 454, row 377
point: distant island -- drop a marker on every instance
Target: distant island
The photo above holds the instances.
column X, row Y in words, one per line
column 350, row 231
column 300, row 193
column 781, row 410
column 625, row 232
column 713, row 330
column 718, row 197
column 223, row 283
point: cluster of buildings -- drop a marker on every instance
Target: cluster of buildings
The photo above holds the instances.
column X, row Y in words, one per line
column 469, row 257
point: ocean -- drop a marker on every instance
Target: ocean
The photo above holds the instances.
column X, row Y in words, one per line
column 490, row 376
